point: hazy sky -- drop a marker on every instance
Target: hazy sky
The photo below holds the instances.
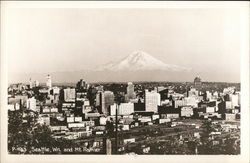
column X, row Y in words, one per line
column 51, row 40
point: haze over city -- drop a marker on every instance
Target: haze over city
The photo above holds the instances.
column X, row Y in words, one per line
column 72, row 43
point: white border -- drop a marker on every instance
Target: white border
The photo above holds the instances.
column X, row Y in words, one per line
column 124, row 4
column 244, row 157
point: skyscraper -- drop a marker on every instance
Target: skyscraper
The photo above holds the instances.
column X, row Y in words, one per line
column 197, row 82
column 152, row 100
column 235, row 99
column 49, row 82
column 99, row 98
column 31, row 104
column 81, row 85
column 104, row 100
column 36, row 83
column 130, row 91
column 69, row 95
column 109, row 99
column 126, row 109
column 30, row 84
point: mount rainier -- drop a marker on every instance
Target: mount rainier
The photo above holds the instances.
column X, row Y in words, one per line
column 140, row 61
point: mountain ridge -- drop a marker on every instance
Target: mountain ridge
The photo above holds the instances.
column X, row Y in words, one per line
column 138, row 66
column 140, row 60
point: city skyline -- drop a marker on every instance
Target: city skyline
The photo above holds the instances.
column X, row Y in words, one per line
column 130, row 118
column 68, row 41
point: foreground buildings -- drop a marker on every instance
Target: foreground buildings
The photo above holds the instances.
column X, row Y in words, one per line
column 133, row 121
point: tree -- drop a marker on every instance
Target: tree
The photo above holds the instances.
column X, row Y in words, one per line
column 207, row 129
column 42, row 137
column 206, row 144
column 229, row 146
column 20, row 127
column 24, row 132
column 232, row 146
column 16, row 136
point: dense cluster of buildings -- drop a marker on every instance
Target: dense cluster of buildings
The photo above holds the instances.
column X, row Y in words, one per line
column 84, row 110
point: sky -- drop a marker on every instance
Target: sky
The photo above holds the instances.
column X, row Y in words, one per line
column 41, row 40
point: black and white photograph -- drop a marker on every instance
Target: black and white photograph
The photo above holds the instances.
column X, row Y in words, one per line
column 113, row 80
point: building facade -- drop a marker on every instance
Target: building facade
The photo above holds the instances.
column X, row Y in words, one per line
column 31, row 104
column 130, row 91
column 125, row 109
column 152, row 101
column 69, row 95
column 49, row 81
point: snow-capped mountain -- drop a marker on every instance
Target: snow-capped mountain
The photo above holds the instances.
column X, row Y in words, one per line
column 140, row 60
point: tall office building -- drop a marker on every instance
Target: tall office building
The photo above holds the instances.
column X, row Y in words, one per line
column 208, row 95
column 31, row 104
column 30, row 83
column 152, row 101
column 197, row 82
column 81, row 97
column 109, row 99
column 69, row 95
column 130, row 92
column 56, row 90
column 81, row 85
column 104, row 100
column 239, row 95
column 234, row 98
column 36, row 83
column 112, row 110
column 48, row 82
column 126, row 109
column 99, row 98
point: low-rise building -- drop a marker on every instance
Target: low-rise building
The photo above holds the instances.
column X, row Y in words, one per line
column 103, row 120
column 43, row 120
column 187, row 111
column 70, row 119
column 78, row 119
column 155, row 116
column 144, row 119
column 172, row 116
column 164, row 120
column 126, row 109
column 210, row 109
column 229, row 117
column 11, row 107
column 130, row 140
column 77, row 125
column 89, row 123
column 125, row 127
